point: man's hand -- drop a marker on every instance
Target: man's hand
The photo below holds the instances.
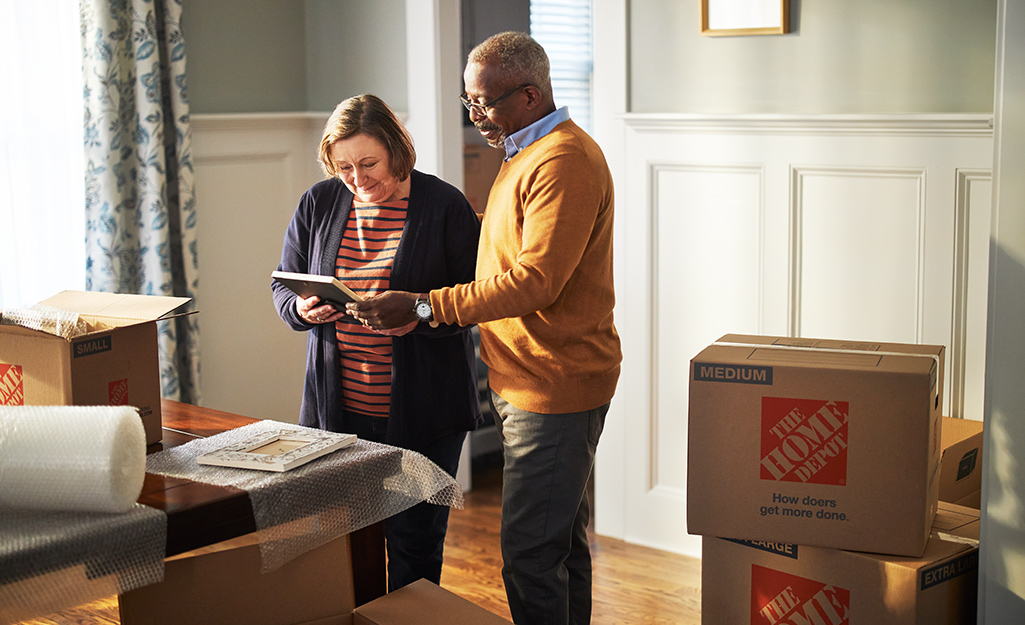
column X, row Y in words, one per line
column 388, row 310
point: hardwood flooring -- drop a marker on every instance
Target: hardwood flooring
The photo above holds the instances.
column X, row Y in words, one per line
column 632, row 584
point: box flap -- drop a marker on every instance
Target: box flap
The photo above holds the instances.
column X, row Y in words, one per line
column 117, row 305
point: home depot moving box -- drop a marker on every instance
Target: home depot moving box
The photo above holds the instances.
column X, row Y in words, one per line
column 768, row 583
column 114, row 363
column 423, row 603
column 224, row 584
column 961, row 462
column 826, row 443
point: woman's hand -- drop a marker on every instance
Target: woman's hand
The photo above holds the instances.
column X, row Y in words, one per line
column 313, row 312
column 391, row 309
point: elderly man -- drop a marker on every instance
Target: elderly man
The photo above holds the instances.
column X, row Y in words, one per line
column 543, row 298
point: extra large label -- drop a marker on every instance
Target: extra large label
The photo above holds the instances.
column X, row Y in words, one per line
column 12, row 385
column 779, row 598
column 804, row 440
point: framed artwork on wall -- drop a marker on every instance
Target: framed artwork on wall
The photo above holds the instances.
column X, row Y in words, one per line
column 722, row 18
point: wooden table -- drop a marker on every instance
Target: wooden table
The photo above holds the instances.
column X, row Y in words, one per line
column 203, row 514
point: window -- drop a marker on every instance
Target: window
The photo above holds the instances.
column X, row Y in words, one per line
column 563, row 27
column 42, row 195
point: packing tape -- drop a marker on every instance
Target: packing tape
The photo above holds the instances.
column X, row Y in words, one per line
column 828, row 350
column 71, row 458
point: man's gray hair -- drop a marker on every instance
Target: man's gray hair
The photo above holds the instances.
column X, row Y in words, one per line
column 518, row 56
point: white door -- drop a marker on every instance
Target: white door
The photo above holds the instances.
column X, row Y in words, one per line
column 864, row 228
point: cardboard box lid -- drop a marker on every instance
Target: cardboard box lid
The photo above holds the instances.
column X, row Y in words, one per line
column 423, row 603
column 117, row 309
column 828, row 353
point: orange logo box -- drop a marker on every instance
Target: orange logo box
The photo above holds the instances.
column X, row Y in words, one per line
column 779, row 598
column 804, row 440
column 12, row 385
column 118, row 391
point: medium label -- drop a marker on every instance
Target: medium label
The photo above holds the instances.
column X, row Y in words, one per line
column 740, row 374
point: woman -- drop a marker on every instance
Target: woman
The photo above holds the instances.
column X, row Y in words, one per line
column 378, row 224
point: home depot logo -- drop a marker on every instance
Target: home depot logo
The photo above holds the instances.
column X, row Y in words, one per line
column 804, row 440
column 118, row 392
column 779, row 598
column 12, row 385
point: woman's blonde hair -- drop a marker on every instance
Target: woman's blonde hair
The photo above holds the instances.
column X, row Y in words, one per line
column 369, row 115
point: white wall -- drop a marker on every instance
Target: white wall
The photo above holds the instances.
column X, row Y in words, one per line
column 1002, row 566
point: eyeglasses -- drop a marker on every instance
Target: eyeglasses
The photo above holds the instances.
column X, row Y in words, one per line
column 483, row 107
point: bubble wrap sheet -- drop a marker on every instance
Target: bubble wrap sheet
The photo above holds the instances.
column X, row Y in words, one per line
column 306, row 507
column 51, row 561
column 55, row 321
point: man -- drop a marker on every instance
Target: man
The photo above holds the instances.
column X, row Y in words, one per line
column 543, row 298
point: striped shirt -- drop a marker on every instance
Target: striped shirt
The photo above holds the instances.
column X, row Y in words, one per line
column 364, row 263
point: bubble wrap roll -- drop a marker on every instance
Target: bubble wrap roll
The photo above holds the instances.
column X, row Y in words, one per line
column 73, row 458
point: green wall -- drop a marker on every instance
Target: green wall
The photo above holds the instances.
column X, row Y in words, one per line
column 841, row 56
column 264, row 56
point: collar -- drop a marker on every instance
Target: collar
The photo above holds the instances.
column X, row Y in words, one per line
column 525, row 136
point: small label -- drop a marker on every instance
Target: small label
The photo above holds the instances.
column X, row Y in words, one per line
column 12, row 385
column 740, row 374
column 786, row 550
column 92, row 346
column 118, row 392
column 949, row 570
column 781, row 598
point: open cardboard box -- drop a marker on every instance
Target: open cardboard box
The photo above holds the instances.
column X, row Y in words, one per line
column 961, row 462
column 423, row 603
column 763, row 583
column 826, row 443
column 223, row 583
column 114, row 363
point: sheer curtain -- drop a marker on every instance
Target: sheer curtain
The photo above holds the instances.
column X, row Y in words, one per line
column 42, row 219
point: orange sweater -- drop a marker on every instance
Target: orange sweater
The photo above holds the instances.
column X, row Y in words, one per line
column 543, row 295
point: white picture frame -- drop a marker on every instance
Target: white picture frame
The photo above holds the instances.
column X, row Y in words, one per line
column 725, row 18
column 277, row 450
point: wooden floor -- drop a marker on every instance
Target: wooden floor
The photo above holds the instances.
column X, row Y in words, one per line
column 632, row 584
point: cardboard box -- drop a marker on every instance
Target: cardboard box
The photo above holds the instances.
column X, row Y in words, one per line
column 423, row 603
column 814, row 442
column 115, row 363
column 770, row 583
column 223, row 584
column 961, row 462
column 480, row 166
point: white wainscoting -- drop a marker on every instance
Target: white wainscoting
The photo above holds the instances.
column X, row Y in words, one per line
column 250, row 171
column 849, row 227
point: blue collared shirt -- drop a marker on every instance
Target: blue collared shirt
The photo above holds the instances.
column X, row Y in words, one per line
column 525, row 136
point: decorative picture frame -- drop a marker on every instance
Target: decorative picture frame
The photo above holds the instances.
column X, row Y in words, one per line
column 724, row 18
column 277, row 450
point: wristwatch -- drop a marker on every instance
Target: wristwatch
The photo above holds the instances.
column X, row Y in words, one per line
column 423, row 310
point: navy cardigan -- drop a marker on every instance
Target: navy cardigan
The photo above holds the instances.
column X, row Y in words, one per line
column 434, row 372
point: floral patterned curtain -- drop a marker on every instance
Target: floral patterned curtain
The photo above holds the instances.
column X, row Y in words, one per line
column 140, row 205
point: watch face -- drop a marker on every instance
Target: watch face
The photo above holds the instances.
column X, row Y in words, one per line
column 423, row 310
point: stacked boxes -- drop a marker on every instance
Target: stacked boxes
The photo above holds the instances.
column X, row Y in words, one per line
column 823, row 448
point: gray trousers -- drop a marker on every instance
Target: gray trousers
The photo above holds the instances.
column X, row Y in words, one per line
column 545, row 551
